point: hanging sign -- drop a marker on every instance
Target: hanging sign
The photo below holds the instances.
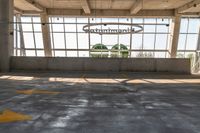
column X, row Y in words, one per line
column 113, row 28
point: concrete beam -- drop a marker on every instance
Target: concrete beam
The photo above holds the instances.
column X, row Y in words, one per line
column 46, row 35
column 6, row 34
column 188, row 6
column 111, row 13
column 176, row 22
column 17, row 11
column 137, row 6
column 36, row 5
column 86, row 7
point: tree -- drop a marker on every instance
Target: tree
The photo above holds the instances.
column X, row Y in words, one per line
column 119, row 50
column 99, row 50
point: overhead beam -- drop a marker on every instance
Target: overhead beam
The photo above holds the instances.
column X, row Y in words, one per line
column 137, row 6
column 36, row 5
column 111, row 13
column 86, row 7
column 188, row 6
column 17, row 11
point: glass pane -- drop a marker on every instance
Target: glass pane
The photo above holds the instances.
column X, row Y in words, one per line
column 163, row 28
column 70, row 27
column 149, row 41
column 60, row 53
column 193, row 26
column 124, row 39
column 27, row 27
column 160, row 54
column 181, row 42
column 58, row 26
column 37, row 27
column 149, row 28
column 40, row 53
column 80, row 27
column 109, row 19
column 29, row 40
column 137, row 41
column 82, row 20
column 191, row 43
column 95, row 39
column 110, row 40
column 70, row 20
column 39, row 40
column 72, row 54
column 83, row 41
column 36, row 19
column 59, row 41
column 71, row 41
column 30, row 53
column 161, row 41
column 26, row 19
column 184, row 24
column 84, row 54
column 137, row 20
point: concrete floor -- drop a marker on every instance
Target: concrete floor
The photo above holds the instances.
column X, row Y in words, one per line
column 102, row 102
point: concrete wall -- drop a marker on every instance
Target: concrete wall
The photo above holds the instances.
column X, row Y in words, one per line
column 101, row 64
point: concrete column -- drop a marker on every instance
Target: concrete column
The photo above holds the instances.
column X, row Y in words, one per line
column 176, row 22
column 6, row 34
column 22, row 44
column 46, row 35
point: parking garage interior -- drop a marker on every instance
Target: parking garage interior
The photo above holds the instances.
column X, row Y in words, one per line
column 99, row 66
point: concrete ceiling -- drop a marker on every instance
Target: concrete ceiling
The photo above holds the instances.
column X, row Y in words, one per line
column 87, row 5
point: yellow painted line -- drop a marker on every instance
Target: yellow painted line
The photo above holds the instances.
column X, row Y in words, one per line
column 30, row 92
column 10, row 116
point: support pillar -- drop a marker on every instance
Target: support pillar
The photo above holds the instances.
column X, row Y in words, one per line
column 175, row 35
column 6, row 34
column 22, row 44
column 46, row 35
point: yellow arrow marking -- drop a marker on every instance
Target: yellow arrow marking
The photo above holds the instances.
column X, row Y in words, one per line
column 10, row 116
column 30, row 92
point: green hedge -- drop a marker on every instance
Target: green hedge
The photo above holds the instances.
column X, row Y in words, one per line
column 115, row 53
column 100, row 54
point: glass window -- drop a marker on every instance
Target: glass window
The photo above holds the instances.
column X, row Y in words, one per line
column 149, row 40
column 71, row 41
column 59, row 41
column 181, row 42
column 191, row 43
column 161, row 41
column 137, row 41
column 29, row 40
column 83, row 41
column 39, row 40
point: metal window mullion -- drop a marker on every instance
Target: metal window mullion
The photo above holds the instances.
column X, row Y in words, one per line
column 143, row 36
column 119, row 47
column 16, row 37
column 131, row 39
column 52, row 36
column 77, row 38
column 33, row 35
column 65, row 38
column 89, row 35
